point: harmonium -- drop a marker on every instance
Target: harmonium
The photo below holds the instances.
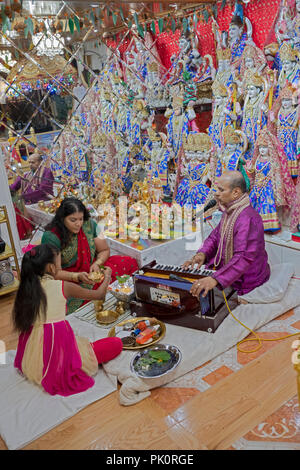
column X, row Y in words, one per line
column 163, row 291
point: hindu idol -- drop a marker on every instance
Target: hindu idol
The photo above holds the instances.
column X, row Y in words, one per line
column 225, row 71
column 160, row 156
column 254, row 116
column 222, row 114
column 253, row 61
column 284, row 121
column 231, row 158
column 178, row 123
column 195, row 172
column 273, row 187
column 290, row 71
column 238, row 39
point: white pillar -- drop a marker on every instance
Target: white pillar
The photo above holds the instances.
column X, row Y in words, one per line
column 5, row 200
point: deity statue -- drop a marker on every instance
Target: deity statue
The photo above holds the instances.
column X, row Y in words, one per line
column 273, row 187
column 192, row 189
column 133, row 168
column 284, row 121
column 238, row 39
column 252, row 62
column 178, row 123
column 156, row 191
column 290, row 71
column 106, row 193
column 255, row 111
column 180, row 60
column 272, row 55
column 161, row 154
column 106, row 113
column 225, row 71
column 287, row 28
column 222, row 115
column 231, row 158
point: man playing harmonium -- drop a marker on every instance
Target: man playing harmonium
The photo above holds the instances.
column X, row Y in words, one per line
column 235, row 249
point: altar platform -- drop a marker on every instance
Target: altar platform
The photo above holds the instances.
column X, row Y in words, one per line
column 175, row 251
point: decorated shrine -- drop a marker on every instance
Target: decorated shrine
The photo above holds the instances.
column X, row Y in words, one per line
column 154, row 101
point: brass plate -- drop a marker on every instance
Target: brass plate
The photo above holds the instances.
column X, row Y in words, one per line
column 106, row 316
column 135, row 320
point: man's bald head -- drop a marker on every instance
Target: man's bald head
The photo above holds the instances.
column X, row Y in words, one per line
column 34, row 160
column 230, row 187
column 235, row 180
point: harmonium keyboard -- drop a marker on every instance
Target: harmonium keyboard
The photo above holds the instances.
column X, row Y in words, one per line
column 163, row 291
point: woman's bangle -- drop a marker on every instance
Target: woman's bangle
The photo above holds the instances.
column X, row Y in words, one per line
column 99, row 262
column 75, row 277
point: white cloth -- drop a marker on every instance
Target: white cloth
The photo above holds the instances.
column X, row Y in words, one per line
column 198, row 347
column 274, row 289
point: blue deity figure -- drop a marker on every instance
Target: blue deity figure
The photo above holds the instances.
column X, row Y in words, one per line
column 192, row 189
column 287, row 128
column 254, row 116
column 262, row 195
column 273, row 187
column 290, row 70
column 178, row 124
column 237, row 39
column 231, row 159
column 222, row 115
column 158, row 166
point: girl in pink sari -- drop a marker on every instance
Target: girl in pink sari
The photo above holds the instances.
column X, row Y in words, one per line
column 49, row 354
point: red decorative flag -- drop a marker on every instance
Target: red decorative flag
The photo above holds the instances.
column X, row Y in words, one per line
column 15, row 155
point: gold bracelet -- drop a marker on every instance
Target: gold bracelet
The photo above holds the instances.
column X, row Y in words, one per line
column 74, row 277
column 99, row 262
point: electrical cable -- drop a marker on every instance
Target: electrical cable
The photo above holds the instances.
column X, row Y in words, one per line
column 256, row 338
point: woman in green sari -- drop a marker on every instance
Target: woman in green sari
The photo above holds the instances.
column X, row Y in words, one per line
column 82, row 251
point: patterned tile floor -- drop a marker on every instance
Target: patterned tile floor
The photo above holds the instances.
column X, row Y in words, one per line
column 281, row 430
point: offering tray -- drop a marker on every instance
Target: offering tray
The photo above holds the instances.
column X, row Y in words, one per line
column 131, row 321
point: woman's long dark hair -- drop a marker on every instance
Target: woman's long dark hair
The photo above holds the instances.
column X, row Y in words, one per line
column 68, row 206
column 31, row 299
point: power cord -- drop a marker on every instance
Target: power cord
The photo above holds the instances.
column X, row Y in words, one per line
column 257, row 338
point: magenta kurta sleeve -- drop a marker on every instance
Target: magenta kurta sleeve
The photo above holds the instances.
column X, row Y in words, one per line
column 210, row 245
column 43, row 191
column 16, row 184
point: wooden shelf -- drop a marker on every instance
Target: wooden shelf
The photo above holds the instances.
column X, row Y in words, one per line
column 10, row 288
column 7, row 253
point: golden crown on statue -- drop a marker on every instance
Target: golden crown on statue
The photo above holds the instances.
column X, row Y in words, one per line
column 153, row 67
column 223, row 54
column 286, row 52
column 202, row 142
column 177, row 102
column 218, row 89
column 263, row 138
column 230, row 136
column 289, row 92
column 197, row 142
column 256, row 80
column 154, row 137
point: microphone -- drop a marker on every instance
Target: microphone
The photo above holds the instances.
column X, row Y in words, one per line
column 210, row 204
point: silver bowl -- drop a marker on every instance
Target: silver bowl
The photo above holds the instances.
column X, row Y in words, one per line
column 123, row 296
column 156, row 370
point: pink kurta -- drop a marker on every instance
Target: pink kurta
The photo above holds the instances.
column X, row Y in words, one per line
column 248, row 268
column 50, row 355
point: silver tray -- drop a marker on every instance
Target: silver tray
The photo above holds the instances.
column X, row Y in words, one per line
column 156, row 371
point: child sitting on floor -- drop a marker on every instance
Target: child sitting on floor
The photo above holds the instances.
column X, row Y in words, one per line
column 48, row 352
